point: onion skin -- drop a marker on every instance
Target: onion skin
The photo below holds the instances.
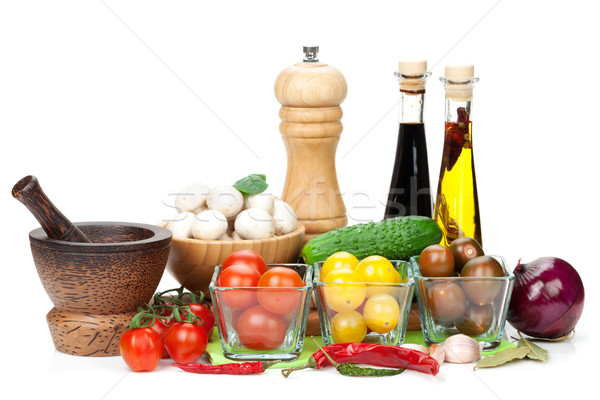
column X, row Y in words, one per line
column 547, row 298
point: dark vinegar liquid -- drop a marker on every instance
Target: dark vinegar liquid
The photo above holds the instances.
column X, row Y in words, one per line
column 410, row 193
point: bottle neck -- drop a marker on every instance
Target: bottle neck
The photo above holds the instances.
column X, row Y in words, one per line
column 412, row 100
column 458, row 110
column 459, row 99
column 412, row 107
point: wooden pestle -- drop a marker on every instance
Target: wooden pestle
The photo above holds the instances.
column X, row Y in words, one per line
column 310, row 94
column 29, row 192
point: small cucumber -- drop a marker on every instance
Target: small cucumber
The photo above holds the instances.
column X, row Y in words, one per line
column 395, row 239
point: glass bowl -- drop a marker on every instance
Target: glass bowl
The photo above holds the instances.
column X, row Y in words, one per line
column 364, row 312
column 473, row 306
column 248, row 331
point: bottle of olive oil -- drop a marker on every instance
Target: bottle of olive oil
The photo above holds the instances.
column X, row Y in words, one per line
column 457, row 207
column 410, row 193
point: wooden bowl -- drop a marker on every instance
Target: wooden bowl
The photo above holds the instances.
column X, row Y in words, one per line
column 192, row 261
column 96, row 287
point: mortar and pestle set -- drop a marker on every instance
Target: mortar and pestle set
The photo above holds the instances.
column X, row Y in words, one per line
column 95, row 273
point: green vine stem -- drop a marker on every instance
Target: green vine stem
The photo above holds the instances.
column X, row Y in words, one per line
column 175, row 308
column 163, row 298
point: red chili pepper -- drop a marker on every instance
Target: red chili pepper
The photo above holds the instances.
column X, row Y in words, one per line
column 378, row 355
column 245, row 368
column 462, row 115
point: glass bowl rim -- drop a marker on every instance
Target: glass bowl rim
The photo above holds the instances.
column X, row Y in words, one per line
column 418, row 277
column 410, row 283
column 307, row 279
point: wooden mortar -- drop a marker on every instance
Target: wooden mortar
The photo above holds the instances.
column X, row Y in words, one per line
column 95, row 273
column 97, row 287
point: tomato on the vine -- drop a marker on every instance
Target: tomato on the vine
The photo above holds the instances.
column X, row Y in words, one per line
column 205, row 317
column 141, row 349
column 186, row 342
column 245, row 257
column 161, row 328
column 259, row 329
column 280, row 301
column 238, row 276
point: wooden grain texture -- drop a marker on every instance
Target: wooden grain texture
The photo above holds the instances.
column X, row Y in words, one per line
column 87, row 334
column 310, row 95
column 192, row 261
column 29, row 192
column 112, row 276
column 310, row 85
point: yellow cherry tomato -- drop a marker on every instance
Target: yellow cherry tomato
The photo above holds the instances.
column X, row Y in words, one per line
column 399, row 278
column 340, row 293
column 381, row 313
column 376, row 269
column 348, row 327
column 341, row 259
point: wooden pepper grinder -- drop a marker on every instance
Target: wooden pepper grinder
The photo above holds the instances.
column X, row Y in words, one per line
column 310, row 94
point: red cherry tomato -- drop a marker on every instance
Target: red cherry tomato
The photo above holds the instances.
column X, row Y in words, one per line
column 161, row 328
column 141, row 349
column 239, row 276
column 246, row 257
column 186, row 342
column 259, row 329
column 280, row 301
column 205, row 316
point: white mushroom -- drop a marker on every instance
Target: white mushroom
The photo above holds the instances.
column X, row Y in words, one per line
column 225, row 237
column 192, row 198
column 226, row 199
column 209, row 225
column 284, row 217
column 235, row 236
column 264, row 201
column 181, row 225
column 254, row 223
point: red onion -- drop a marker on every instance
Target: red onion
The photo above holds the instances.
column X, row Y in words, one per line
column 547, row 299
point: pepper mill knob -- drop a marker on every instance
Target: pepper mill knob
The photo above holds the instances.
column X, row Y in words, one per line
column 310, row 94
column 310, row 53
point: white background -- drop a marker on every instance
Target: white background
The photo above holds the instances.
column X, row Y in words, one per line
column 114, row 105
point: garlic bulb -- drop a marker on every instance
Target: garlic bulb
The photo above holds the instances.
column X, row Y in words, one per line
column 437, row 352
column 462, row 349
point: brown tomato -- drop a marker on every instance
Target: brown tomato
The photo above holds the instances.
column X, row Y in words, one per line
column 484, row 290
column 463, row 250
column 436, row 260
column 476, row 320
column 447, row 301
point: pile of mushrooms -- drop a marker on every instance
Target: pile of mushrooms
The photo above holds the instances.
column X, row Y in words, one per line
column 225, row 213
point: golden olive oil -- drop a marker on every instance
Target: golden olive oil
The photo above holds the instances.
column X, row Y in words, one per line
column 457, row 205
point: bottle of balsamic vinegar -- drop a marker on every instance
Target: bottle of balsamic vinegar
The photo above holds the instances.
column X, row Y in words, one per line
column 410, row 193
column 457, row 206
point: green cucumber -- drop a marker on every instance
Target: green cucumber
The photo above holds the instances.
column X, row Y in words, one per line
column 395, row 239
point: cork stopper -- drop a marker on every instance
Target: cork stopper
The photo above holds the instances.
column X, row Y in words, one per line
column 459, row 80
column 459, row 72
column 412, row 68
column 412, row 75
